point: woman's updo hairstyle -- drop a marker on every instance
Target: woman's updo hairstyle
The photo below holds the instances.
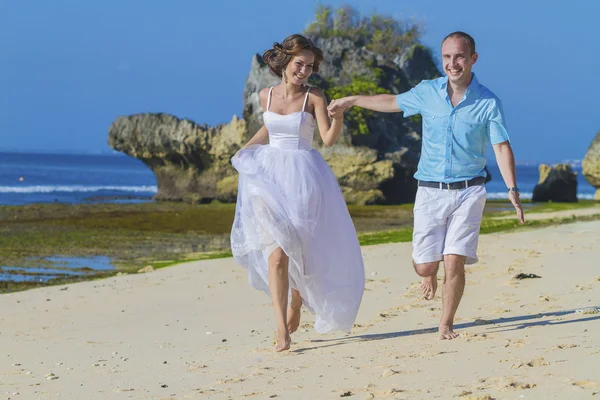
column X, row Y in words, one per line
column 280, row 55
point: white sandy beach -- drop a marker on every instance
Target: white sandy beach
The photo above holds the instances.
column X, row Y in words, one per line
column 198, row 330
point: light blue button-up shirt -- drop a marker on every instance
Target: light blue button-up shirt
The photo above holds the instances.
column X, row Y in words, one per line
column 455, row 139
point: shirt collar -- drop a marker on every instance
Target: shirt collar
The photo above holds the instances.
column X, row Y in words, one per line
column 473, row 86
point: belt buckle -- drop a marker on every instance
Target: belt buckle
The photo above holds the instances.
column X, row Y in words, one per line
column 459, row 185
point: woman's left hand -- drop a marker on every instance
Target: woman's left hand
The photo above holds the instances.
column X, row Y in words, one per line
column 334, row 111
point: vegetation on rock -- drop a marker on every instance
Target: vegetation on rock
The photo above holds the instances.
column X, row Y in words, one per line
column 379, row 33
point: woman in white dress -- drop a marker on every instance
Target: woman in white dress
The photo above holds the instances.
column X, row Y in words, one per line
column 292, row 228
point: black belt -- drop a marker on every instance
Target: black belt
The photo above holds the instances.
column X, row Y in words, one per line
column 480, row 180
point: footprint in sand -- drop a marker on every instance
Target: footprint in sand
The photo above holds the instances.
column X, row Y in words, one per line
column 585, row 384
column 195, row 368
column 362, row 326
column 503, row 384
column 389, row 372
column 476, row 337
column 520, row 385
column 390, row 392
column 588, row 310
column 564, row 346
column 515, row 343
column 466, row 395
column 536, row 362
column 513, row 265
column 481, row 321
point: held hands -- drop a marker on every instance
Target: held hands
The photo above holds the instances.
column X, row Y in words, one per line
column 516, row 202
column 337, row 107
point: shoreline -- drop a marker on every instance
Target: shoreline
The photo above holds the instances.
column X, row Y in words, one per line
column 495, row 220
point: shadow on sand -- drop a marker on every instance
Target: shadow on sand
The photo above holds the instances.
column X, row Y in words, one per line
column 497, row 325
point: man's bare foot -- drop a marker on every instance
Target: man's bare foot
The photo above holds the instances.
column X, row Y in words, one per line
column 293, row 318
column 283, row 342
column 429, row 286
column 446, row 333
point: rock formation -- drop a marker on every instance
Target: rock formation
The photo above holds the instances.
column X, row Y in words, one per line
column 557, row 184
column 190, row 161
column 591, row 165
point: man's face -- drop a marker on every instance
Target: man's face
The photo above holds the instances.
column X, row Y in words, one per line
column 458, row 60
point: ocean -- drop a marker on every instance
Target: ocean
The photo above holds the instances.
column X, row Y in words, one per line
column 74, row 179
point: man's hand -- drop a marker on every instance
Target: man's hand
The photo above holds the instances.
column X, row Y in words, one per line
column 340, row 105
column 516, row 202
column 336, row 112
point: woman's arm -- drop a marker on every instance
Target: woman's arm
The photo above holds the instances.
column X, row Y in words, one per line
column 262, row 136
column 330, row 132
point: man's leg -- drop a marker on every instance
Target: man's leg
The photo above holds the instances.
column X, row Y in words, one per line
column 429, row 273
column 431, row 213
column 460, row 248
column 454, row 287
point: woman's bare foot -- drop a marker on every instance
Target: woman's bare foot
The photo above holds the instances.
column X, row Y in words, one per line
column 294, row 311
column 446, row 333
column 283, row 342
column 429, row 286
column 293, row 320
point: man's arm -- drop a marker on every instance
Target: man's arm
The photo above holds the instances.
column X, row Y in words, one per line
column 506, row 163
column 411, row 102
column 380, row 102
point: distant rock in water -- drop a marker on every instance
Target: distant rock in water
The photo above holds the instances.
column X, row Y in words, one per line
column 591, row 165
column 190, row 161
column 557, row 184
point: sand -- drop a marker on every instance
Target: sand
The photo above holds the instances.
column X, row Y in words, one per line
column 198, row 330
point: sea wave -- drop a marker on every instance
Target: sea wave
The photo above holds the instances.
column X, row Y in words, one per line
column 529, row 195
column 77, row 188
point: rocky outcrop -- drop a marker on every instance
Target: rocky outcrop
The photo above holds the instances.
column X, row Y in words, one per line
column 557, row 184
column 190, row 161
column 591, row 165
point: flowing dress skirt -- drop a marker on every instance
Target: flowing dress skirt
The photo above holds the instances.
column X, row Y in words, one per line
column 291, row 199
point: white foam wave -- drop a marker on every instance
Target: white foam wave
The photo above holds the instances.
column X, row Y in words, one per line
column 77, row 188
column 529, row 195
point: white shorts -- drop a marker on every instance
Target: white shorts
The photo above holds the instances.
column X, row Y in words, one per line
column 447, row 222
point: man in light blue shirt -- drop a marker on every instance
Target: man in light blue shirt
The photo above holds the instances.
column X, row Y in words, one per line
column 461, row 118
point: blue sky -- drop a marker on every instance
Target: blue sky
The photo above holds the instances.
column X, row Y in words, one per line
column 68, row 68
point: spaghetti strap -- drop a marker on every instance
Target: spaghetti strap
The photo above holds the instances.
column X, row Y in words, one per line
column 305, row 99
column 269, row 98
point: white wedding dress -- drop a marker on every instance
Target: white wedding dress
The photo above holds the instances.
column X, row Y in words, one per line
column 288, row 197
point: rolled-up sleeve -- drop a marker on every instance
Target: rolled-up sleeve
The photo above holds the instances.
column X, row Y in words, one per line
column 411, row 102
column 497, row 125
